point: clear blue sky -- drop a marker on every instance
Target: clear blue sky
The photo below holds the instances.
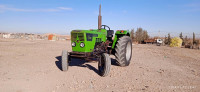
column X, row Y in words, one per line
column 62, row 16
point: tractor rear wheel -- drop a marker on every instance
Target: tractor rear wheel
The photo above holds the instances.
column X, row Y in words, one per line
column 104, row 65
column 123, row 50
column 64, row 60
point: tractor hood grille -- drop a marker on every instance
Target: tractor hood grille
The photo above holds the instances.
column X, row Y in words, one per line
column 77, row 36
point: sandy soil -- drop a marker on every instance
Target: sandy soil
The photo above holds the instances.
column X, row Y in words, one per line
column 34, row 66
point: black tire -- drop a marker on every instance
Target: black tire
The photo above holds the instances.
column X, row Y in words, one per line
column 104, row 65
column 64, row 60
column 123, row 50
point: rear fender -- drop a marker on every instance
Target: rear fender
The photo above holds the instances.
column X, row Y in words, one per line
column 118, row 34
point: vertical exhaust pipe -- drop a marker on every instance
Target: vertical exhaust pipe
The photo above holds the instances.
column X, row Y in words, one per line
column 99, row 18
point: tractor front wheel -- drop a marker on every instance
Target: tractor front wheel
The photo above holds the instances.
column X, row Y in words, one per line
column 64, row 61
column 104, row 65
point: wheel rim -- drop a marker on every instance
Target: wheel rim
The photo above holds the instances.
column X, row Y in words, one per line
column 128, row 51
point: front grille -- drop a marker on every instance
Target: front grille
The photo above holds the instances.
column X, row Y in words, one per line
column 79, row 35
column 98, row 39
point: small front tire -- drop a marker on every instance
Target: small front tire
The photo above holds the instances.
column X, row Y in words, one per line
column 65, row 63
column 104, row 65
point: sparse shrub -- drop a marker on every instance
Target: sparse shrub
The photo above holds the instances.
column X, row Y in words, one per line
column 198, row 43
column 188, row 45
column 176, row 42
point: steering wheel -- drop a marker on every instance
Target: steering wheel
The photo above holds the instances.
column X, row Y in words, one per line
column 104, row 27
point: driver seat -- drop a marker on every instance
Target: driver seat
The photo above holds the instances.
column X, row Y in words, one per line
column 110, row 34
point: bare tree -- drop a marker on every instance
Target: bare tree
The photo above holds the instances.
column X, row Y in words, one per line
column 169, row 39
column 166, row 40
column 145, row 35
column 181, row 35
column 141, row 35
column 194, row 42
column 185, row 40
column 132, row 34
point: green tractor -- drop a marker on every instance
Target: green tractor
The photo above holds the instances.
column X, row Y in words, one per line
column 98, row 45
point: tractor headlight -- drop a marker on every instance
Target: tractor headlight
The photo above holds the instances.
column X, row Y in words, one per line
column 82, row 44
column 73, row 44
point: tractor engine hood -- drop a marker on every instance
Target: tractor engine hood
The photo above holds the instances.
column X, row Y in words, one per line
column 85, row 40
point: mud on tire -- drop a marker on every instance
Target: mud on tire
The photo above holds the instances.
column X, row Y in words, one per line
column 123, row 50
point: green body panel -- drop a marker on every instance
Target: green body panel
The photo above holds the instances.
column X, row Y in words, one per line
column 119, row 34
column 88, row 37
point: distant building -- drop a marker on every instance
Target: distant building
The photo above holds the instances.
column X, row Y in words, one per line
column 6, row 35
column 29, row 36
column 52, row 37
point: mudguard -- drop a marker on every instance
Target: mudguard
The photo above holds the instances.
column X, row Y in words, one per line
column 118, row 34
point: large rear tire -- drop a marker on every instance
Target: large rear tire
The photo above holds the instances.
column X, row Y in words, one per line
column 123, row 50
column 65, row 63
column 104, row 65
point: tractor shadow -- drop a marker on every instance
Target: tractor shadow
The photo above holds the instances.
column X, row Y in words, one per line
column 80, row 63
column 114, row 62
column 75, row 62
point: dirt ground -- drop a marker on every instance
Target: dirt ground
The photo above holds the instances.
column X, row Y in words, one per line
column 34, row 66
